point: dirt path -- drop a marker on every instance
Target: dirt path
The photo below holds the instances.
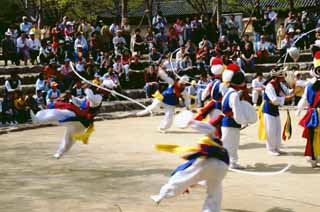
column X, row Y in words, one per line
column 119, row 170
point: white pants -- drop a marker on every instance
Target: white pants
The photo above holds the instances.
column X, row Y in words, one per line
column 67, row 140
column 167, row 120
column 53, row 116
column 231, row 139
column 255, row 96
column 272, row 125
column 212, row 171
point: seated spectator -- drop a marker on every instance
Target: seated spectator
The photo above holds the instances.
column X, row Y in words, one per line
column 159, row 22
column 25, row 26
column 150, row 39
column 35, row 31
column 192, row 92
column 192, row 50
column 23, row 46
column 151, row 81
column 280, row 35
column 66, row 71
column 41, row 103
column 13, row 84
column 34, row 48
column 246, row 39
column 8, row 113
column 135, row 64
column 155, row 57
column 67, row 97
column 257, row 89
column 41, row 84
column 121, row 70
column 262, row 48
column 223, row 45
column 81, row 41
column 31, row 103
column 205, row 42
column 180, row 53
column 235, row 54
column 118, row 42
column 77, row 90
column 290, row 21
column 79, row 53
column 9, row 50
column 53, row 93
column 247, row 59
column 185, row 65
column 138, row 42
column 126, row 29
column 173, row 40
column 286, row 43
column 46, row 53
column 111, row 81
column 20, row 108
column 97, row 79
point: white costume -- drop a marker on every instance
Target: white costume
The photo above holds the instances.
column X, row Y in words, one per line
column 209, row 171
column 168, row 99
column 57, row 116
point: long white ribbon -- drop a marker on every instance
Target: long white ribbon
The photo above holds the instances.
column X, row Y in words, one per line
column 105, row 89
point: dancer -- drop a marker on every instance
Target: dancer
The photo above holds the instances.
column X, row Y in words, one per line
column 275, row 95
column 207, row 164
column 235, row 112
column 77, row 117
column 311, row 121
column 168, row 99
column 215, row 89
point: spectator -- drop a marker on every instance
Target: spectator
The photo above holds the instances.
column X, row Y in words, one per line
column 138, row 42
column 192, row 50
column 187, row 30
column 41, row 103
column 285, row 44
column 263, row 48
column 53, row 93
column 155, row 57
column 118, row 42
column 64, row 23
column 25, row 26
column 246, row 39
column 41, row 84
column 135, row 64
column 224, row 28
column 106, row 38
column 185, row 65
column 46, row 53
column 192, row 92
column 13, row 84
column 247, row 59
column 34, row 48
column 257, row 89
column 81, row 41
column 178, row 26
column 8, row 113
column 114, row 27
column 158, row 22
column 23, row 46
column 77, row 90
column 151, row 81
column 180, row 53
column 126, row 31
column 9, row 50
column 31, row 103
column 233, row 27
column 205, row 42
column 35, row 31
column 270, row 23
column 290, row 21
column 111, row 81
column 162, row 41
column 14, row 33
column 201, row 86
column 79, row 54
column 67, row 97
column 150, row 39
column 196, row 28
column 280, row 35
column 173, row 40
column 20, row 107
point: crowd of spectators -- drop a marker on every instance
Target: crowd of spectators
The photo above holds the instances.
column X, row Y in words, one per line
column 107, row 54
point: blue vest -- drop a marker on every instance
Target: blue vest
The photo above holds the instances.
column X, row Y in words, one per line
column 311, row 94
column 215, row 92
column 226, row 120
column 268, row 107
column 169, row 97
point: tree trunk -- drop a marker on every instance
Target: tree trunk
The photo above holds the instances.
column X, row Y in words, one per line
column 291, row 5
column 219, row 11
column 148, row 5
column 124, row 9
column 118, row 8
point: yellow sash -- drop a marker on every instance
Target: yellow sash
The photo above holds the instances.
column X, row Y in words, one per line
column 316, row 138
column 84, row 137
column 157, row 95
column 261, row 130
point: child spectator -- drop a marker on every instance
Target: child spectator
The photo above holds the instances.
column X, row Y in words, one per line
column 53, row 93
column 151, row 81
column 20, row 107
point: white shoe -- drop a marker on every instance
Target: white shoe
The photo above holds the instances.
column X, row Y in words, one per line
column 156, row 198
column 274, row 153
column 236, row 166
column 57, row 156
column 163, row 131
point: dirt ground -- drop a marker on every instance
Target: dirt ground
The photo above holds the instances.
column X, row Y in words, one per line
column 120, row 169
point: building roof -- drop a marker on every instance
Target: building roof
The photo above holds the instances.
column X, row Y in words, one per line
column 283, row 4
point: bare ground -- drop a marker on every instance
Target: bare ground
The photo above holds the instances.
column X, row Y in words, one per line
column 119, row 170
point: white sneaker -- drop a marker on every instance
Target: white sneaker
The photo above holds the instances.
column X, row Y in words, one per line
column 163, row 131
column 156, row 198
column 274, row 153
column 236, row 166
column 57, row 156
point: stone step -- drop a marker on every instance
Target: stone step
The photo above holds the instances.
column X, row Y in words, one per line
column 304, row 57
column 114, row 106
column 267, row 67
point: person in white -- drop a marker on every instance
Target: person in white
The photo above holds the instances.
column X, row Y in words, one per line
column 72, row 127
column 81, row 41
column 236, row 113
column 257, row 88
column 275, row 95
column 35, row 47
column 168, row 99
column 208, row 171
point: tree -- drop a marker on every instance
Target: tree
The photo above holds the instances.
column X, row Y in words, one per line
column 124, row 9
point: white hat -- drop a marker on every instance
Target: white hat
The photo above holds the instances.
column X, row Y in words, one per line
column 217, row 66
column 79, row 46
column 184, row 79
column 229, row 72
column 32, row 33
column 69, row 23
column 8, row 33
column 291, row 30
